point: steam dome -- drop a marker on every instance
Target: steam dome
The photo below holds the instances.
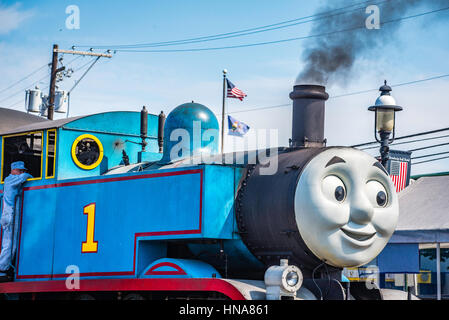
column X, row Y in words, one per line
column 190, row 129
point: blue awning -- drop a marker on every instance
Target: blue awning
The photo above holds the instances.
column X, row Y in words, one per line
column 399, row 258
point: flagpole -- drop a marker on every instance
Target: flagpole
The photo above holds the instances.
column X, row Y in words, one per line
column 223, row 111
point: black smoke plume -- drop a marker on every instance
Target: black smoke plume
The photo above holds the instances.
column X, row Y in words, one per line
column 330, row 56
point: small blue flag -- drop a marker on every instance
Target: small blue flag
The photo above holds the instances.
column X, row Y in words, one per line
column 236, row 128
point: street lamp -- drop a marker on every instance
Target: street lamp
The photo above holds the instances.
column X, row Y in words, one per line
column 385, row 109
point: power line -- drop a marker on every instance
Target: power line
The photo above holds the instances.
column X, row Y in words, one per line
column 395, row 85
column 261, row 108
column 22, row 100
column 228, row 34
column 344, row 95
column 21, row 90
column 24, row 78
column 238, row 35
column 82, row 62
column 279, row 41
column 243, row 34
column 404, row 137
column 415, row 163
column 15, row 104
column 73, row 60
column 430, row 155
column 80, row 67
column 407, row 142
column 46, row 87
column 29, row 75
column 84, row 65
column 92, row 62
column 34, row 83
column 429, row 147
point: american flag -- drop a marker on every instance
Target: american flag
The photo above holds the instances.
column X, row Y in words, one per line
column 234, row 92
column 398, row 173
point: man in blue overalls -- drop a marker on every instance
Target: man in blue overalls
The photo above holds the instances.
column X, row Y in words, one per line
column 11, row 188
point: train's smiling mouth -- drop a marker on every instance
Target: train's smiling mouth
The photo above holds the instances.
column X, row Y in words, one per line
column 358, row 235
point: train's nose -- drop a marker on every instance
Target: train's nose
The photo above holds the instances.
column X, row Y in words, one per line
column 346, row 207
column 303, row 211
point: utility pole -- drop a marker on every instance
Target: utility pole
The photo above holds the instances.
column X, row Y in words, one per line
column 55, row 71
column 223, row 111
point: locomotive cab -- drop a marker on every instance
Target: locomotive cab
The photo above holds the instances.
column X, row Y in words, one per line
column 76, row 147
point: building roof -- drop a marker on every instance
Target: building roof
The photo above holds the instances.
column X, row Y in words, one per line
column 115, row 122
column 424, row 211
column 11, row 119
column 446, row 173
column 46, row 124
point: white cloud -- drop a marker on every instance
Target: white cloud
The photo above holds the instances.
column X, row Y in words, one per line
column 11, row 17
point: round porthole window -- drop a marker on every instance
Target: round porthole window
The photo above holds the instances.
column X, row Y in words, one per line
column 87, row 151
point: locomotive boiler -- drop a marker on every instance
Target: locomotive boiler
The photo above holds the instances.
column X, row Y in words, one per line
column 157, row 215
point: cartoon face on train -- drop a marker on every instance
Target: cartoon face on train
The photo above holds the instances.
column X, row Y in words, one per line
column 346, row 207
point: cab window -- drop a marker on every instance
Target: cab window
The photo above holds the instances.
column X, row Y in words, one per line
column 51, row 154
column 23, row 147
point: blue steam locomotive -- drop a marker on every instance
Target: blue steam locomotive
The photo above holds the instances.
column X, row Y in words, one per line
column 135, row 205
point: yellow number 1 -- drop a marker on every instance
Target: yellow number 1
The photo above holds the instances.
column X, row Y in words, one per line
column 90, row 245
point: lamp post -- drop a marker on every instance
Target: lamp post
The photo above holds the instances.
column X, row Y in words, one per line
column 385, row 109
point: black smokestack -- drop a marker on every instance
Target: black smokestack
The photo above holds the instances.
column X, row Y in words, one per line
column 340, row 34
column 308, row 116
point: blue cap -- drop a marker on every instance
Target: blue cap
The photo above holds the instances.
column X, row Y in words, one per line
column 18, row 165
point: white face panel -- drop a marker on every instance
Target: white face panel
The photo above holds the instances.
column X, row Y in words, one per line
column 346, row 209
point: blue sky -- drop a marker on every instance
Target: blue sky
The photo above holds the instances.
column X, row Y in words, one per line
column 161, row 81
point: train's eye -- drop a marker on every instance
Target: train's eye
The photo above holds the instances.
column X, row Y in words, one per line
column 377, row 193
column 340, row 193
column 381, row 198
column 334, row 189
